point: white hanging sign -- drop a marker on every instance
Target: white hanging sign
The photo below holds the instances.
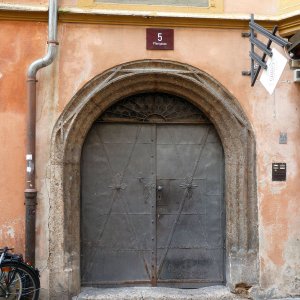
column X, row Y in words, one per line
column 270, row 77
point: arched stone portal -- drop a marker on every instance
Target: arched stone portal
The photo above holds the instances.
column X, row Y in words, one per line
column 140, row 77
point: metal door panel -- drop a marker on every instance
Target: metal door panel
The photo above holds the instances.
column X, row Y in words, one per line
column 189, row 232
column 214, row 222
column 191, row 264
column 118, row 133
column 168, row 162
column 196, row 194
column 119, row 233
column 174, row 193
column 118, row 156
column 185, row 250
column 213, row 137
column 90, row 237
column 189, row 134
column 115, row 268
column 142, row 162
column 118, row 244
column 176, row 161
column 164, row 223
column 97, row 170
column 209, row 165
column 136, row 198
column 212, row 155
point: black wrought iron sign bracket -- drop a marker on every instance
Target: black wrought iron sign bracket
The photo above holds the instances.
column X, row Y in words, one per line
column 259, row 61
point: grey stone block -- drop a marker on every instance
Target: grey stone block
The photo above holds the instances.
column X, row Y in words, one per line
column 159, row 293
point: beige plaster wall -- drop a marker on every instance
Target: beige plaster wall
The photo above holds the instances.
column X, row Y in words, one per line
column 269, row 7
column 87, row 50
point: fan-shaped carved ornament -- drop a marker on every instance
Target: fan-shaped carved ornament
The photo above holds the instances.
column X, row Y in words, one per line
column 153, row 108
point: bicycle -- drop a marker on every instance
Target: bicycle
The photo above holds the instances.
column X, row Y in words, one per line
column 18, row 280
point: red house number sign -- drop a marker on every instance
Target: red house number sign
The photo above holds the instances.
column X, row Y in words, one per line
column 160, row 39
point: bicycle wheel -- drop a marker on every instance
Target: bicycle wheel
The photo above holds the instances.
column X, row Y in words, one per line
column 18, row 281
column 10, row 284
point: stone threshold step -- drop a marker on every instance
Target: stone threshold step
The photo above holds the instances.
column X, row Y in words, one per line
column 156, row 293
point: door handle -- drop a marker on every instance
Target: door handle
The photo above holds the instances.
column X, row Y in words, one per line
column 159, row 188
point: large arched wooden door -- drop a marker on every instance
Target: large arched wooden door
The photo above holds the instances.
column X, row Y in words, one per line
column 152, row 206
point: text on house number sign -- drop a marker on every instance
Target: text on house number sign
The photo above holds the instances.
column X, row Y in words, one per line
column 159, row 39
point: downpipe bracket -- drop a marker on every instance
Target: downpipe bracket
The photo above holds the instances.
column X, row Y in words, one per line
column 53, row 42
column 30, row 197
column 31, row 79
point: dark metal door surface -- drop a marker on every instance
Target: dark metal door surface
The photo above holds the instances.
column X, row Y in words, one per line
column 190, row 221
column 118, row 201
column 152, row 210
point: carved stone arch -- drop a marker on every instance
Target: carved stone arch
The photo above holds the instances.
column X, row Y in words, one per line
column 91, row 101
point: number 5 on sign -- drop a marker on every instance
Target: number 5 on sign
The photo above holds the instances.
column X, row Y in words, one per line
column 159, row 39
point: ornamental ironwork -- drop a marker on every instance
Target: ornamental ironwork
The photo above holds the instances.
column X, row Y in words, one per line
column 117, row 183
column 154, row 108
column 188, row 186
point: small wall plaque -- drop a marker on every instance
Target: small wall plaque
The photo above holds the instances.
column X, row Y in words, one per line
column 160, row 39
column 283, row 138
column 278, row 171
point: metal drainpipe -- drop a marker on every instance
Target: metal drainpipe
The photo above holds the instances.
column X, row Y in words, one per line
column 30, row 188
